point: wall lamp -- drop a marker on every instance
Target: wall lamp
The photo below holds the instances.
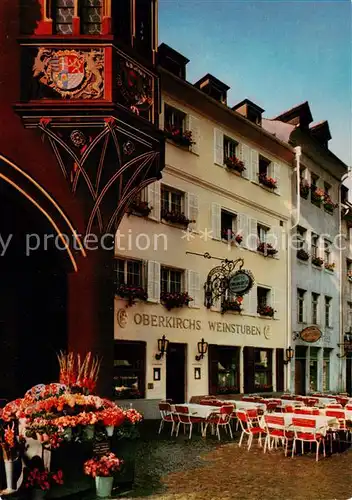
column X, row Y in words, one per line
column 289, row 355
column 347, row 344
column 202, row 349
column 163, row 344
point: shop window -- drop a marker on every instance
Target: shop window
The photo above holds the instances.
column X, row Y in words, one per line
column 313, row 368
column 129, row 369
column 301, row 305
column 224, row 369
column 171, row 280
column 129, row 272
column 263, row 370
column 91, row 16
column 171, row 201
column 315, row 308
column 326, row 369
column 174, row 120
column 230, row 148
column 228, row 225
column 63, row 15
column 328, row 312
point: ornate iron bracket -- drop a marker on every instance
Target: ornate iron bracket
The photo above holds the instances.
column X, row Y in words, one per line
column 217, row 282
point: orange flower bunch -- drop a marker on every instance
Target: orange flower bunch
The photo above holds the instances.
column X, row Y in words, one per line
column 104, row 466
column 9, row 436
column 133, row 416
column 112, row 416
column 74, row 372
column 12, row 410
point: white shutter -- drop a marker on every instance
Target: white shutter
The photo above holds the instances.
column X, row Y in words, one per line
column 252, row 239
column 154, row 200
column 274, row 237
column 192, row 210
column 216, row 221
column 253, row 301
column 247, row 160
column 246, row 304
column 193, row 126
column 218, row 147
column 153, row 281
column 193, row 285
column 242, row 228
column 276, row 176
column 254, row 166
column 275, row 302
column 161, row 116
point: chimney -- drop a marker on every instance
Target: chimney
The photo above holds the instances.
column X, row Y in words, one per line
column 250, row 110
column 300, row 116
column 172, row 61
column 213, row 87
column 321, row 132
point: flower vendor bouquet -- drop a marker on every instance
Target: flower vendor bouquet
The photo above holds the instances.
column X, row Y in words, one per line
column 104, row 466
column 43, row 479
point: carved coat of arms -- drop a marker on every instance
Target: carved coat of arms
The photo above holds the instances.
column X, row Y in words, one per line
column 71, row 73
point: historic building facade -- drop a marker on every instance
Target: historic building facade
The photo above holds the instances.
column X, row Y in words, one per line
column 346, row 288
column 316, row 253
column 79, row 135
column 225, row 194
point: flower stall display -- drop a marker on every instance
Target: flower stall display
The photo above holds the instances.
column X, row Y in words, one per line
column 266, row 249
column 266, row 311
column 41, row 480
column 317, row 261
column 102, row 469
column 304, row 189
column 140, row 207
column 233, row 163
column 176, row 299
column 235, row 305
column 318, row 195
column 181, row 137
column 176, row 217
column 330, row 266
column 267, row 181
column 131, row 293
column 231, row 236
column 302, row 254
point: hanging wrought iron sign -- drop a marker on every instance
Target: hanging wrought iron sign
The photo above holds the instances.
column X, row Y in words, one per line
column 228, row 278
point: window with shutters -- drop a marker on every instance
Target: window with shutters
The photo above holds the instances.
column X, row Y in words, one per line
column 230, row 148
column 172, row 280
column 301, row 244
column 173, row 206
column 262, row 233
column 264, row 307
column 328, row 301
column 175, row 126
column 91, row 16
column 315, row 308
column 315, row 246
column 129, row 369
column 263, row 370
column 63, row 13
column 129, row 272
column 327, row 251
column 301, row 294
column 264, row 165
column 229, row 226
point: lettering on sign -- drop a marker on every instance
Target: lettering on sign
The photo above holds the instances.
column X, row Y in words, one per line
column 101, row 448
column 241, row 282
column 218, row 326
column 167, row 322
column 310, row 334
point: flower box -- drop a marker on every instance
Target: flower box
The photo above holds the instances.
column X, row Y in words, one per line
column 330, row 266
column 302, row 254
column 267, row 181
column 233, row 163
column 266, row 311
column 233, row 305
column 140, row 207
column 183, row 138
column 177, row 299
column 229, row 235
column 329, row 205
column 317, row 196
column 317, row 261
column 266, row 249
column 176, row 217
column 131, row 293
column 304, row 189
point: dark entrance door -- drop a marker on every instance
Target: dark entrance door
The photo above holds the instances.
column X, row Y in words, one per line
column 300, row 370
column 176, row 372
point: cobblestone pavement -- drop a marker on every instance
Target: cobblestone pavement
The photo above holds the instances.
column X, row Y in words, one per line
column 178, row 469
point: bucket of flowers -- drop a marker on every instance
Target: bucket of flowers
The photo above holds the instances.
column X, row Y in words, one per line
column 304, row 189
column 266, row 311
column 176, row 299
column 233, row 305
column 266, row 249
column 40, row 481
column 233, row 163
column 102, row 469
column 267, row 181
column 318, row 195
column 111, row 418
column 330, row 266
column 131, row 293
column 317, row 261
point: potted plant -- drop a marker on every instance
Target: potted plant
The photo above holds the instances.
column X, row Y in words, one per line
column 176, row 299
column 304, row 189
column 302, row 254
column 102, row 469
column 267, row 181
column 131, row 293
column 266, row 311
column 40, row 480
column 140, row 207
column 317, row 196
column 317, row 261
column 176, row 217
column 233, row 305
column 330, row 266
column 233, row 163
column 266, row 249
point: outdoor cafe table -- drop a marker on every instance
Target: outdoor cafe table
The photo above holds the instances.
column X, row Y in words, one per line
column 320, row 420
column 197, row 410
column 246, row 405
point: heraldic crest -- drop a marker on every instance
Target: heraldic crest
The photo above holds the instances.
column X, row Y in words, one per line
column 73, row 74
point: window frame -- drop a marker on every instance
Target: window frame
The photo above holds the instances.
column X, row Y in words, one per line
column 170, row 270
column 268, row 370
column 234, row 222
column 82, row 8
column 301, row 295
column 54, row 13
column 126, row 263
column 228, row 145
column 170, row 192
column 264, row 169
column 175, row 115
column 262, row 229
column 128, row 372
column 327, row 310
column 327, row 251
column 315, row 307
column 267, row 296
column 315, row 245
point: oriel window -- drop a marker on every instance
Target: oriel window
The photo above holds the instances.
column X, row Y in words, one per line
column 91, row 16
column 63, row 15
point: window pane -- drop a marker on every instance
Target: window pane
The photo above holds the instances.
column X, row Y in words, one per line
column 63, row 16
column 176, row 202
column 91, row 15
column 134, row 272
column 164, row 280
column 164, row 199
column 120, row 271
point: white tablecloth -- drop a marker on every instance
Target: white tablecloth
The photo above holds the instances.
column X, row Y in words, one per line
column 320, row 420
column 325, row 401
column 246, row 405
column 291, row 402
column 197, row 410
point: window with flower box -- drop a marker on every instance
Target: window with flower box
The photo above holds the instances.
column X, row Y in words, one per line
column 173, row 206
column 264, row 307
column 172, row 280
column 175, row 126
column 315, row 245
column 229, row 227
column 129, row 369
column 130, row 280
column 230, row 148
column 301, row 243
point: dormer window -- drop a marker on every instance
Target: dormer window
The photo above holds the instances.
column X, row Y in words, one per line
column 91, row 16
column 63, row 16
